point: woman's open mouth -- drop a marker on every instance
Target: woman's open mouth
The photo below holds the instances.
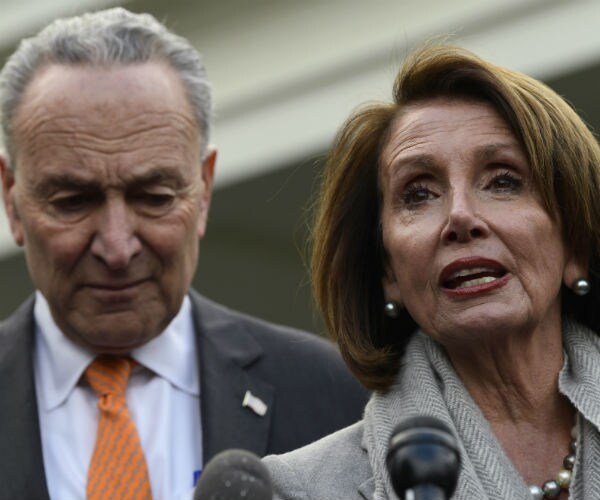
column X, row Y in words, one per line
column 473, row 275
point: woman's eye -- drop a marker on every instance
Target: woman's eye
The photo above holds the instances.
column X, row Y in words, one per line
column 416, row 194
column 505, row 182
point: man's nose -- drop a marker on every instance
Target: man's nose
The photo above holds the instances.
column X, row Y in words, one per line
column 463, row 222
column 115, row 240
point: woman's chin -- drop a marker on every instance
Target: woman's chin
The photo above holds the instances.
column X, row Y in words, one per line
column 482, row 327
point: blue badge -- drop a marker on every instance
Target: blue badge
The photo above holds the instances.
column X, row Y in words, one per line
column 196, row 476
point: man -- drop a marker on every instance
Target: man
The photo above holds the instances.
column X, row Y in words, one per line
column 107, row 183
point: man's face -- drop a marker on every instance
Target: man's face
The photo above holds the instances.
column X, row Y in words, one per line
column 109, row 197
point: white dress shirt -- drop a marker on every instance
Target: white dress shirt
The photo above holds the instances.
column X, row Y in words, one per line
column 163, row 396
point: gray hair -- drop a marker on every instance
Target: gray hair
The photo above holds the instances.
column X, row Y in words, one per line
column 112, row 36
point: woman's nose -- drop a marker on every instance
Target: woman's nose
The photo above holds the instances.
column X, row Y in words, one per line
column 115, row 240
column 463, row 222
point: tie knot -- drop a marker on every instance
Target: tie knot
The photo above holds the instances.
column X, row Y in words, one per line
column 109, row 374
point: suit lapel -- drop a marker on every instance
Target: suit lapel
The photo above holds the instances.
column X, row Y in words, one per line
column 21, row 463
column 226, row 352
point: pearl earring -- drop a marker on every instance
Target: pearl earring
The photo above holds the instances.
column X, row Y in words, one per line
column 391, row 309
column 581, row 287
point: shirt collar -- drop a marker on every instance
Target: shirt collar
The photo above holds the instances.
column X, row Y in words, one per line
column 59, row 363
column 172, row 354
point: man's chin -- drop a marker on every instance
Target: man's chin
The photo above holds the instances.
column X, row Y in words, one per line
column 116, row 347
column 115, row 343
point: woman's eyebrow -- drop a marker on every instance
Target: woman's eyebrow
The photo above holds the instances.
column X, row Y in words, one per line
column 490, row 151
column 421, row 161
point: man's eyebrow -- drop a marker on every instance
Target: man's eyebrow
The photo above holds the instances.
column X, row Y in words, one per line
column 158, row 175
column 65, row 181
column 69, row 181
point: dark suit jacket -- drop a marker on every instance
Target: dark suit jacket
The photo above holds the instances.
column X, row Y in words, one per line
column 301, row 378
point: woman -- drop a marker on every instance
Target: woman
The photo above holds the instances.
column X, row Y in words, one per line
column 455, row 244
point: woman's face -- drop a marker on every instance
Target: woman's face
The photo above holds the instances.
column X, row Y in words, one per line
column 470, row 249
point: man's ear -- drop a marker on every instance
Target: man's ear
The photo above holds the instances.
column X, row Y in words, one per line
column 208, row 174
column 9, row 199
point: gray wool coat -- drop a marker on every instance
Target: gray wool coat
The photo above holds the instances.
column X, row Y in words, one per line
column 350, row 464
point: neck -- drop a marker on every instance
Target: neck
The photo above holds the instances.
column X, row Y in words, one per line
column 514, row 376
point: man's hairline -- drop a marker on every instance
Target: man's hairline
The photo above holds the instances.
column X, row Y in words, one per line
column 47, row 62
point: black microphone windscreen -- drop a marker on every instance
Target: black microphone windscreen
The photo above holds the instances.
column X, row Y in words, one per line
column 421, row 421
column 423, row 451
column 234, row 475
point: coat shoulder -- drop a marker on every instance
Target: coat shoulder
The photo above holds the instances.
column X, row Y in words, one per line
column 314, row 392
column 283, row 346
column 215, row 313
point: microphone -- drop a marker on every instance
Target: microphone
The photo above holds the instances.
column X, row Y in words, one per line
column 423, row 460
column 234, row 475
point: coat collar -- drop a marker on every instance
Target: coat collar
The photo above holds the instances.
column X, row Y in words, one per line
column 227, row 352
column 367, row 488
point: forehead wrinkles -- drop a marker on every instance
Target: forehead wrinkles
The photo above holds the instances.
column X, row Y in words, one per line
column 106, row 109
column 416, row 132
column 152, row 129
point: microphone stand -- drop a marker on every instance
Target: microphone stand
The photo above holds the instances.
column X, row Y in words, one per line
column 425, row 492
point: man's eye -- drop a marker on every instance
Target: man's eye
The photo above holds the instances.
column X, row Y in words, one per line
column 159, row 199
column 71, row 203
column 155, row 200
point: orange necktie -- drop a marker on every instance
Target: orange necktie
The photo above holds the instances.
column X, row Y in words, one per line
column 118, row 468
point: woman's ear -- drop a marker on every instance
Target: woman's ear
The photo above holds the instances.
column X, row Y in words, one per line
column 575, row 268
column 391, row 290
